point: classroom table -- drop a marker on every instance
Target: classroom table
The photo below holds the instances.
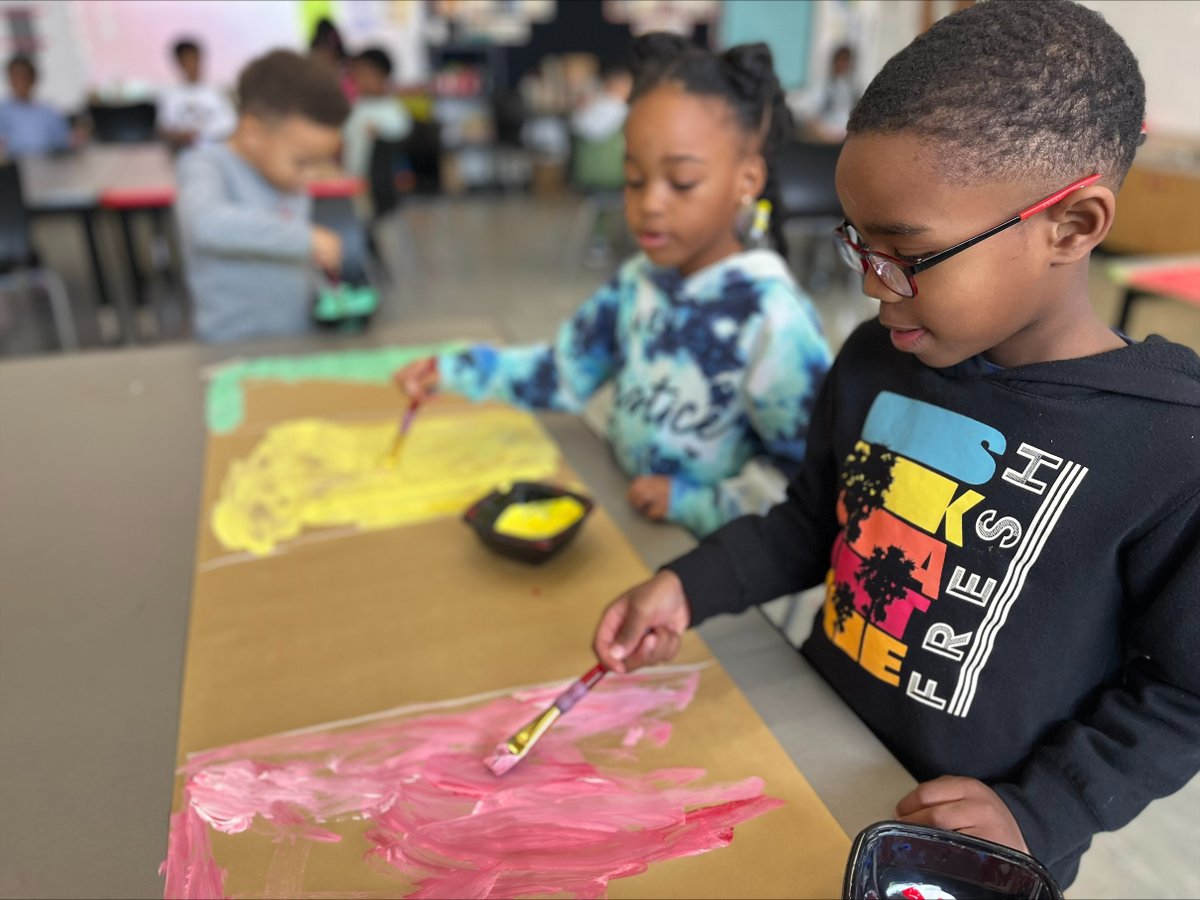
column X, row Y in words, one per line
column 100, row 475
column 126, row 179
column 122, row 177
column 1173, row 277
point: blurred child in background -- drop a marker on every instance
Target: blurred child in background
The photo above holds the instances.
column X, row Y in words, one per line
column 244, row 215
column 27, row 127
column 192, row 110
column 377, row 113
column 602, row 115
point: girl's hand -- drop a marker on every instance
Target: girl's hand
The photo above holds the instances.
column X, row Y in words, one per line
column 418, row 380
column 962, row 804
column 644, row 625
column 651, row 496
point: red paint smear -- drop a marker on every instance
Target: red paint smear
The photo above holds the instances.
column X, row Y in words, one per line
column 559, row 823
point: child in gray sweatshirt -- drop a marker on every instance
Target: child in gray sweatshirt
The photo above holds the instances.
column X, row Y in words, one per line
column 244, row 216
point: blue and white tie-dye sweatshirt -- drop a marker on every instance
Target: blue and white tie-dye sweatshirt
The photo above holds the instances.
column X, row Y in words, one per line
column 715, row 374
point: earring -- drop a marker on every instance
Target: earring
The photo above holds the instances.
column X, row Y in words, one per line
column 762, row 221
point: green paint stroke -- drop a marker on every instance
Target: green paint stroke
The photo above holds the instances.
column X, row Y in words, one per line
column 226, row 400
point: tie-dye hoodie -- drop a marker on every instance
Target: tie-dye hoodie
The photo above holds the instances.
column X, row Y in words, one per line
column 715, row 374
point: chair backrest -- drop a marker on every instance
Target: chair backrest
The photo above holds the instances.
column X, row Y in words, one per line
column 508, row 114
column 599, row 165
column 388, row 158
column 131, row 123
column 806, row 181
column 423, row 147
column 15, row 247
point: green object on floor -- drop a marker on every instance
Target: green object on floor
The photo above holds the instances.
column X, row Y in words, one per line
column 345, row 301
column 225, row 402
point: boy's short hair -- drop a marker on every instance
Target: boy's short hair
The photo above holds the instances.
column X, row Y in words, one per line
column 378, row 59
column 1043, row 90
column 185, row 45
column 283, row 83
column 22, row 61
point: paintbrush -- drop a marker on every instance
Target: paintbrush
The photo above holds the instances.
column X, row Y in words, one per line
column 406, row 423
column 508, row 753
column 401, row 433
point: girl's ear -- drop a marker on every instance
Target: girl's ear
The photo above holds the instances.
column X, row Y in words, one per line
column 751, row 175
column 1079, row 222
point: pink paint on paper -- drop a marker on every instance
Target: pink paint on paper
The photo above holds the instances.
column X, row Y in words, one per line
column 570, row 818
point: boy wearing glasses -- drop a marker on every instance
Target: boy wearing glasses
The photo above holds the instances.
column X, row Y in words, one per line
column 1001, row 494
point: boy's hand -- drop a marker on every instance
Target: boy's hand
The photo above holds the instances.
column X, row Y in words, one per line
column 326, row 249
column 418, row 380
column 643, row 626
column 962, row 804
column 651, row 496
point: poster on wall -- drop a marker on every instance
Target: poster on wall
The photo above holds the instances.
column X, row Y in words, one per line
column 231, row 33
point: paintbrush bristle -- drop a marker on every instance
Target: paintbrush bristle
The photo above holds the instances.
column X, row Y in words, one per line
column 502, row 759
column 510, row 752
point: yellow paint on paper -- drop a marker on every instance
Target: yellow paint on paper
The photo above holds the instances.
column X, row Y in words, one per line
column 312, row 473
column 539, row 519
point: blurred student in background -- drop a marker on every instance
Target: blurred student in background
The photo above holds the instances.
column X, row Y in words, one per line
column 192, row 110
column 377, row 113
column 250, row 248
column 602, row 114
column 328, row 48
column 27, row 127
column 835, row 99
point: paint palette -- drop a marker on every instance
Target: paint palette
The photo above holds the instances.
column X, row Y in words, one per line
column 484, row 514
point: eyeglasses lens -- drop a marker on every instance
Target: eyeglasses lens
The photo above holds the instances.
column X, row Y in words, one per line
column 891, row 275
column 844, row 237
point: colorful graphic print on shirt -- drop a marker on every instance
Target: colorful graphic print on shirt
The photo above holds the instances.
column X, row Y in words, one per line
column 943, row 519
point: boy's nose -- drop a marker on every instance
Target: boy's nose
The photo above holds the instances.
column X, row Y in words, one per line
column 874, row 287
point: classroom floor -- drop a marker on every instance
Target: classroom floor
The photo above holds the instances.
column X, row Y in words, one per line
column 504, row 259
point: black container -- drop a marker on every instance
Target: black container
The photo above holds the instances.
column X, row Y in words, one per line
column 483, row 514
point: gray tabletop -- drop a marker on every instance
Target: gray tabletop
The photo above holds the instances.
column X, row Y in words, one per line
column 100, row 474
column 75, row 180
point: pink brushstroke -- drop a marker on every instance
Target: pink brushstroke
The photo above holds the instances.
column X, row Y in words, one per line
column 435, row 815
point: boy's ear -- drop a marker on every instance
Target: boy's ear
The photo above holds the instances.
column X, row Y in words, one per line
column 252, row 127
column 1080, row 221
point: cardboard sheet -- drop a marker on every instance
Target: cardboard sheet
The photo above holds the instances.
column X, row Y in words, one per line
column 410, row 633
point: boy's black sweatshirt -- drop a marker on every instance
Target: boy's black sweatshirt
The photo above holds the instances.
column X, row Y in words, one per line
column 1013, row 587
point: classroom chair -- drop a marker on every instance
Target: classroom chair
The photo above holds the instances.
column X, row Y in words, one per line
column 514, row 164
column 129, row 123
column 810, row 208
column 389, row 177
column 20, row 269
column 389, row 174
column 424, row 149
column 598, row 171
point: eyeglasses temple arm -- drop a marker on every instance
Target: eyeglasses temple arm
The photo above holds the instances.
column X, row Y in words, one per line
column 1019, row 217
column 1055, row 197
column 959, row 248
